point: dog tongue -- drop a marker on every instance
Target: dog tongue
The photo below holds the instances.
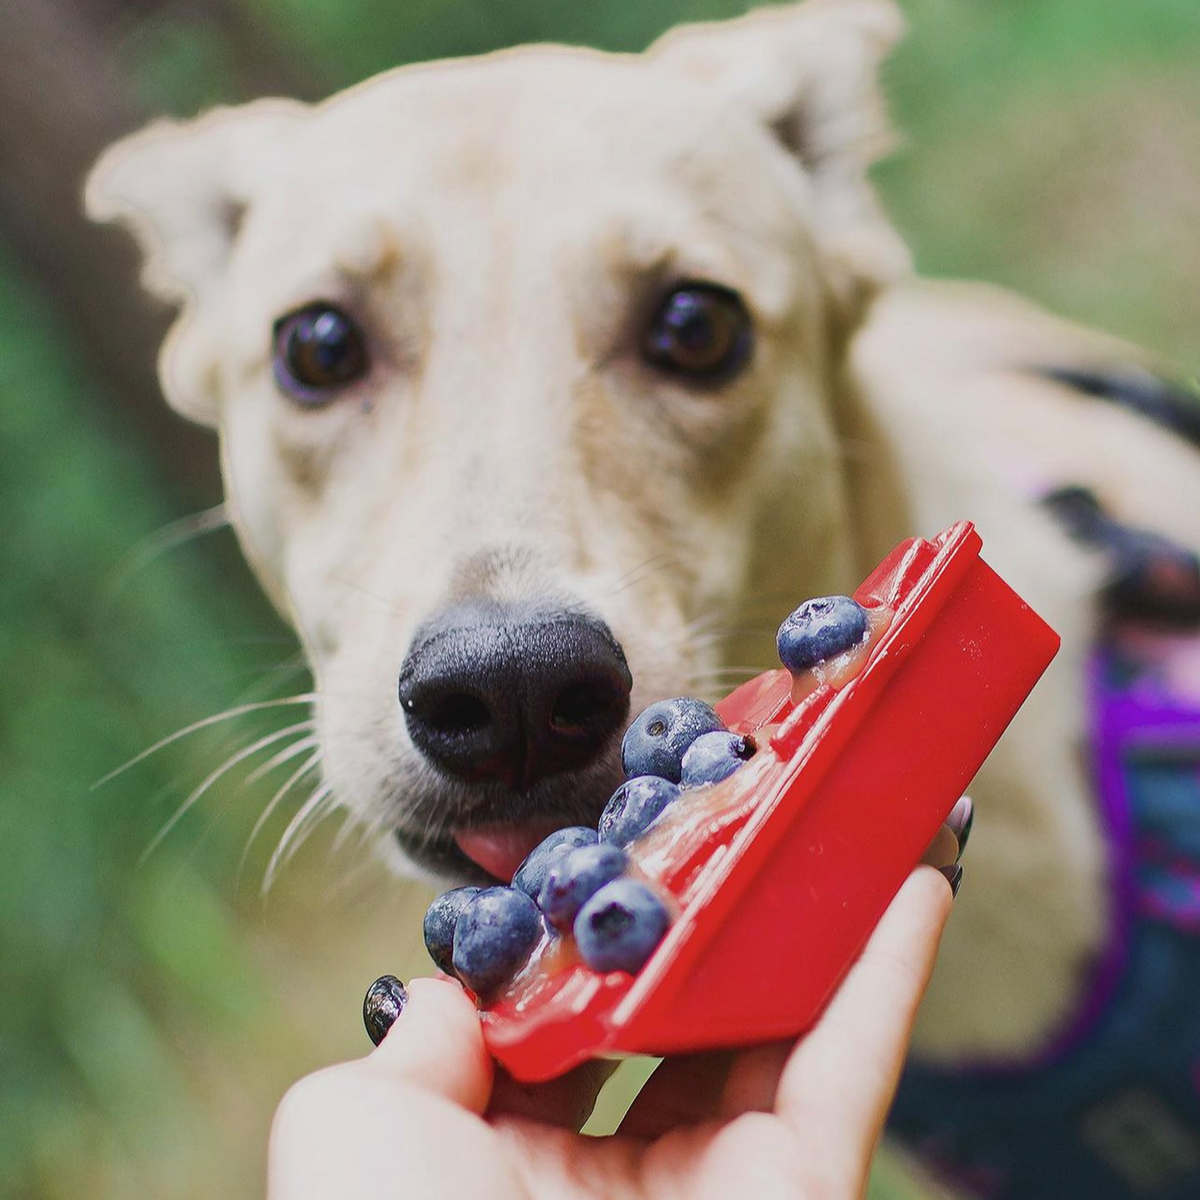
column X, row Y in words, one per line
column 499, row 849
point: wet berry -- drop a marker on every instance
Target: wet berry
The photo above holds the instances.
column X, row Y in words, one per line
column 530, row 876
column 820, row 629
column 493, row 937
column 634, row 807
column 620, row 926
column 575, row 878
column 440, row 918
column 715, row 756
column 656, row 741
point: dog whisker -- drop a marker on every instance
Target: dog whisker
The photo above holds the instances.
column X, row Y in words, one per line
column 716, row 636
column 212, row 778
column 695, row 633
column 309, row 764
column 643, row 571
column 356, row 874
column 320, row 804
column 294, row 661
column 349, row 825
column 759, row 616
column 357, row 865
column 170, row 537
column 389, row 605
column 267, row 678
column 284, row 755
column 307, row 817
column 196, row 726
column 703, row 621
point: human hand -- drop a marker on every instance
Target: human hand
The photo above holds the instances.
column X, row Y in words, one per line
column 429, row 1115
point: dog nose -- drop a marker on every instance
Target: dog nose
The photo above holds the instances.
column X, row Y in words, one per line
column 497, row 692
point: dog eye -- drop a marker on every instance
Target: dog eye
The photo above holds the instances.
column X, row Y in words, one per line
column 317, row 350
column 702, row 331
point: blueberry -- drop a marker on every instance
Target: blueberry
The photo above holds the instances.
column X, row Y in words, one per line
column 656, row 741
column 440, row 918
column 819, row 629
column 531, row 874
column 494, row 935
column 383, row 1003
column 634, row 807
column 575, row 878
column 715, row 756
column 619, row 927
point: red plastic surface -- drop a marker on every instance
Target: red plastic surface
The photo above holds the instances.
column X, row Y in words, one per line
column 815, row 834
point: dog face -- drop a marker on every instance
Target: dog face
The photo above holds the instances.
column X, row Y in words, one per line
column 525, row 372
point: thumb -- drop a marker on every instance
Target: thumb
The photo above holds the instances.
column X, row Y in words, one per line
column 437, row 1045
column 350, row 1130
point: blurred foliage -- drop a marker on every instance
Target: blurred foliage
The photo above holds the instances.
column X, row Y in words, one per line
column 132, row 982
column 177, row 67
column 148, row 1011
column 1054, row 147
column 94, row 947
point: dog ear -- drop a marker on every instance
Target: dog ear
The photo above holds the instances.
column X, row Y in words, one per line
column 810, row 72
column 182, row 188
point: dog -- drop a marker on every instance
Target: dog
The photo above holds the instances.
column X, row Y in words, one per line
column 548, row 381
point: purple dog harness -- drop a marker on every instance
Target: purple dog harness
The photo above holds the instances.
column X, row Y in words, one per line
column 1111, row 1109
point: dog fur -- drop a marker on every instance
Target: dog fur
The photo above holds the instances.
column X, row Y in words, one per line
column 500, row 226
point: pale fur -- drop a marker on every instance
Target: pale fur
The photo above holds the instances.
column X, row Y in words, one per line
column 500, row 224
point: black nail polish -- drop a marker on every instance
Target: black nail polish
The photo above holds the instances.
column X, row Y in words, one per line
column 953, row 874
column 960, row 823
column 384, row 1002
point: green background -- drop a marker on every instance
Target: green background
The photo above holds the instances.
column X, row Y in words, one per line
column 154, row 1006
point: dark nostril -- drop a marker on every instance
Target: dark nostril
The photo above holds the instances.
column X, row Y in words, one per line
column 579, row 705
column 498, row 692
column 459, row 713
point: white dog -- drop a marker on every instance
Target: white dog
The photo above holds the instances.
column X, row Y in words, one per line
column 540, row 370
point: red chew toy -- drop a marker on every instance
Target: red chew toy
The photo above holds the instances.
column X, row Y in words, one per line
column 786, row 867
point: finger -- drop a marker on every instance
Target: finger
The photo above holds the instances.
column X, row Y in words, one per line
column 838, row 1084
column 943, row 850
column 353, row 1130
column 411, row 1105
column 727, row 1086
column 566, row 1102
column 753, row 1079
column 437, row 1044
column 698, row 1087
column 950, row 841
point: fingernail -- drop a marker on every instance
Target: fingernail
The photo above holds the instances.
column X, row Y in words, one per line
column 953, row 874
column 384, row 1002
column 960, row 820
